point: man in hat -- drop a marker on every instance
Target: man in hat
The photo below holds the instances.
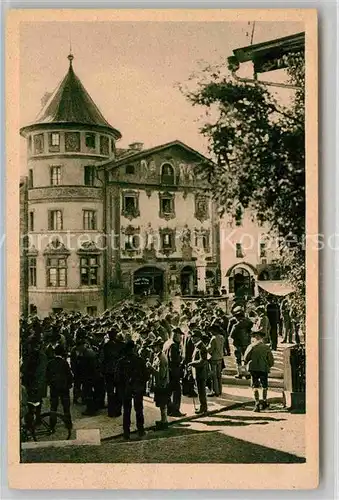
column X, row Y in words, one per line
column 111, row 352
column 159, row 368
column 172, row 349
column 259, row 359
column 131, row 375
column 241, row 335
column 89, row 376
column 199, row 364
column 215, row 350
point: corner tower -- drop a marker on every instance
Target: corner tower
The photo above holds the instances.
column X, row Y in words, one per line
column 66, row 221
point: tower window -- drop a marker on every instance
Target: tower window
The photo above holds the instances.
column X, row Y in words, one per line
column 89, row 175
column 89, row 266
column 55, row 175
column 32, row 271
column 55, row 222
column 54, row 141
column 104, row 145
column 38, row 143
column 90, row 141
column 89, row 219
column 56, row 272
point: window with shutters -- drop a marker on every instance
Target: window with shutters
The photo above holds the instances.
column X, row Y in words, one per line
column 262, row 249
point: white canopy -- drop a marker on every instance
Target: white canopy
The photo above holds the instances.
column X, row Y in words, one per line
column 280, row 288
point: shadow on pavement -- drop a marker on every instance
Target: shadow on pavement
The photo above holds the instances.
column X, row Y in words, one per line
column 183, row 446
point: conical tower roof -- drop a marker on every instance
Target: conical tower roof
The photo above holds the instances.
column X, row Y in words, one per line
column 71, row 103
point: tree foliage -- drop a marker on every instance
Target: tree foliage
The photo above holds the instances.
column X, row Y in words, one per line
column 258, row 147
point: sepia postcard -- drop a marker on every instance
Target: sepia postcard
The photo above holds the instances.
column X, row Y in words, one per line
column 162, row 249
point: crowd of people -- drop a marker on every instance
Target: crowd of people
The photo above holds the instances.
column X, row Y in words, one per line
column 136, row 350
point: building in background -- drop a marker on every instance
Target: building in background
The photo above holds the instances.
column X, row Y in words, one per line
column 249, row 254
column 104, row 223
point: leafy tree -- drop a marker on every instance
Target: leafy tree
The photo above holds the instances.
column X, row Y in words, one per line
column 258, row 147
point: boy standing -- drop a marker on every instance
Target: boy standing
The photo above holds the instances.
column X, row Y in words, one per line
column 259, row 359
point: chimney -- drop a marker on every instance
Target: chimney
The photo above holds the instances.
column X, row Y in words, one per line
column 136, row 146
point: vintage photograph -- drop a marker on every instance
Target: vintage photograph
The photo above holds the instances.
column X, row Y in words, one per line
column 162, row 242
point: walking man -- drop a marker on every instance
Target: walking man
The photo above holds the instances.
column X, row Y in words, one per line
column 260, row 360
column 241, row 335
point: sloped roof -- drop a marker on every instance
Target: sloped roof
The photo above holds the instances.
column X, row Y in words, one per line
column 71, row 103
column 125, row 157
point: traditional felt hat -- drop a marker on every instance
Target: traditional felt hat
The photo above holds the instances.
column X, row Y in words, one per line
column 257, row 332
column 237, row 310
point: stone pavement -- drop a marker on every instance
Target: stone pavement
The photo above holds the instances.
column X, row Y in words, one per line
column 112, row 427
column 229, row 435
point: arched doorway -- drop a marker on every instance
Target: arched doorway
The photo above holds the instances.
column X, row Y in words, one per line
column 240, row 282
column 187, row 280
column 148, row 281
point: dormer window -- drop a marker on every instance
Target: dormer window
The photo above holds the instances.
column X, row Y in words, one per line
column 90, row 141
column 167, row 174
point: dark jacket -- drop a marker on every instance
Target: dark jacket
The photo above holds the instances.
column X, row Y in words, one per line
column 273, row 313
column 131, row 375
column 111, row 353
column 241, row 332
column 34, row 376
column 199, row 361
column 88, row 366
column 59, row 375
column 259, row 357
column 173, row 353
